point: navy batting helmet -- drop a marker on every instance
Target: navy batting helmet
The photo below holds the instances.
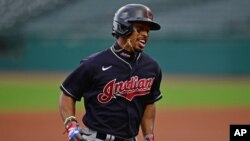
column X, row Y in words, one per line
column 132, row 13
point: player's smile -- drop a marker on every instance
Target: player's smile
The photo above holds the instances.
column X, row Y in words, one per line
column 142, row 43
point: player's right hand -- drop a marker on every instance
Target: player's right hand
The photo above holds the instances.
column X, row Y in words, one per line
column 73, row 131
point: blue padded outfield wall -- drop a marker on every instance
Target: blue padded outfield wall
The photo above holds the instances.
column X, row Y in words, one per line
column 214, row 56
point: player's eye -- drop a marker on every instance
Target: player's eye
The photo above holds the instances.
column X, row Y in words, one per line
column 141, row 29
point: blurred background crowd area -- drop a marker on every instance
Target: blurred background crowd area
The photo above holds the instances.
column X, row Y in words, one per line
column 197, row 36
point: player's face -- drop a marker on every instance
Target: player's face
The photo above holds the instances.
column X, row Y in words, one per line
column 139, row 37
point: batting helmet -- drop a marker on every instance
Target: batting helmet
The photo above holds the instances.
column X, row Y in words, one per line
column 132, row 13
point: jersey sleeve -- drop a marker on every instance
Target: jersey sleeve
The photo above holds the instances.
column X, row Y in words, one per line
column 155, row 91
column 76, row 82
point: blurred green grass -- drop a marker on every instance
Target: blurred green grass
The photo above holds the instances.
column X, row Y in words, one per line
column 42, row 92
column 29, row 96
column 206, row 94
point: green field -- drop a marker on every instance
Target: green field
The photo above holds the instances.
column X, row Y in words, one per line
column 215, row 93
column 40, row 92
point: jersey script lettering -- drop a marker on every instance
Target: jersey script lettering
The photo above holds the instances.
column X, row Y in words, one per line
column 127, row 89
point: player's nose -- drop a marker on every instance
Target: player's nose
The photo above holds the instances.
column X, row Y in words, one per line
column 144, row 33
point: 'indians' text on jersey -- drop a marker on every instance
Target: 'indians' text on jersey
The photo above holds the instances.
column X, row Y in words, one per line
column 127, row 89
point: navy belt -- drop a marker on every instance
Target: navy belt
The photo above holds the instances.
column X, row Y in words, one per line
column 102, row 136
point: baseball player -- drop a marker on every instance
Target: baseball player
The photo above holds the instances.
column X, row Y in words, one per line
column 119, row 85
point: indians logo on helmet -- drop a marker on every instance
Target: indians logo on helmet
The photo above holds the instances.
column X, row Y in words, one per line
column 127, row 89
column 149, row 14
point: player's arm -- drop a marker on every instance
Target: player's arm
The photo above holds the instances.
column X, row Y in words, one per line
column 147, row 123
column 66, row 106
column 67, row 111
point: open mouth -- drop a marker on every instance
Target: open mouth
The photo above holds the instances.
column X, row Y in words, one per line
column 142, row 43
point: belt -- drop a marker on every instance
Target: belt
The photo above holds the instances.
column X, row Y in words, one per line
column 102, row 136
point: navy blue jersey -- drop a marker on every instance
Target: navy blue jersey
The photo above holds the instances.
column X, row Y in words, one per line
column 115, row 91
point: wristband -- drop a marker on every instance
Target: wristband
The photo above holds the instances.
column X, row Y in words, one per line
column 68, row 119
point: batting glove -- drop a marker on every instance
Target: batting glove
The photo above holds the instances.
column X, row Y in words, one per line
column 149, row 137
column 73, row 129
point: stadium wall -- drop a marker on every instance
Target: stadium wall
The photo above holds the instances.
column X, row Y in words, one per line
column 203, row 56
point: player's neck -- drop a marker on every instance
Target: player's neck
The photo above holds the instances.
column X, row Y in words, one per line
column 121, row 52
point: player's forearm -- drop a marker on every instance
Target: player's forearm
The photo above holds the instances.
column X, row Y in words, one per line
column 66, row 106
column 147, row 124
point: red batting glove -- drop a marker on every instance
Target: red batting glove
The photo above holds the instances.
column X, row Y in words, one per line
column 73, row 130
column 149, row 137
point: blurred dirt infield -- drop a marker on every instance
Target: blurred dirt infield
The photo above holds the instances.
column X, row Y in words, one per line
column 171, row 125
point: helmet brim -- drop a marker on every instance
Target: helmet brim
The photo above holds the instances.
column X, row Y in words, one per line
column 153, row 25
